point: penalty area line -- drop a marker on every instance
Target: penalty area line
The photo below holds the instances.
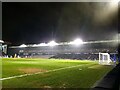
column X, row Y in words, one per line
column 18, row 76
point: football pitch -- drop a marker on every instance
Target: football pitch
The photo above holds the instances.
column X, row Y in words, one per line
column 51, row 73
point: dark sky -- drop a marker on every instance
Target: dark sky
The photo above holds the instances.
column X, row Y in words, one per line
column 35, row 22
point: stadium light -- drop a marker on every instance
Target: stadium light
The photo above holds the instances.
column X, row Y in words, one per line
column 23, row 45
column 115, row 2
column 52, row 43
column 1, row 41
column 113, row 5
column 77, row 42
column 42, row 44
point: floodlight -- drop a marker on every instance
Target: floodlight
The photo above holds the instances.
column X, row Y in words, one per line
column 113, row 5
column 23, row 45
column 1, row 41
column 115, row 1
column 35, row 45
column 77, row 42
column 52, row 43
column 42, row 44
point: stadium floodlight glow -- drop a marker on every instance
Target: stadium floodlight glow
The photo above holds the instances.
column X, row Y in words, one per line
column 113, row 5
column 52, row 43
column 42, row 44
column 35, row 45
column 115, row 1
column 1, row 41
column 23, row 45
column 77, row 42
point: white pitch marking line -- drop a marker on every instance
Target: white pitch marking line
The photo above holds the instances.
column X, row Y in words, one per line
column 36, row 73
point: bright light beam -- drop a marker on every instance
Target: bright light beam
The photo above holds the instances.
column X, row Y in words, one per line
column 41, row 44
column 23, row 45
column 114, row 4
column 77, row 42
column 1, row 41
column 52, row 43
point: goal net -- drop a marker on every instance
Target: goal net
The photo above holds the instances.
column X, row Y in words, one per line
column 104, row 58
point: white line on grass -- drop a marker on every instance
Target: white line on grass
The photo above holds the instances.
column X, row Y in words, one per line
column 18, row 76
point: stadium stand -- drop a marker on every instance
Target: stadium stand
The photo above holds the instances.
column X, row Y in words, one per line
column 82, row 52
column 81, row 56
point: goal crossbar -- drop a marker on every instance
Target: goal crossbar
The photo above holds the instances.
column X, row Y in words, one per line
column 104, row 58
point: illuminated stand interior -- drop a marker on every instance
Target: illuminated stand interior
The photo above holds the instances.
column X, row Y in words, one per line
column 104, row 58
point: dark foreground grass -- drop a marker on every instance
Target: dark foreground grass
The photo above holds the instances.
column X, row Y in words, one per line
column 83, row 76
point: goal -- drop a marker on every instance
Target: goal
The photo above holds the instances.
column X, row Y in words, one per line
column 104, row 58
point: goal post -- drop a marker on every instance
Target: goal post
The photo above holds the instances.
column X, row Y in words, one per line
column 104, row 58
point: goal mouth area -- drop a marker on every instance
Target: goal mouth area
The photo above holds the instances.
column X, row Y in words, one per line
column 105, row 63
column 104, row 59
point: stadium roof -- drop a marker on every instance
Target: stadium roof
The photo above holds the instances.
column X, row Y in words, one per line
column 64, row 43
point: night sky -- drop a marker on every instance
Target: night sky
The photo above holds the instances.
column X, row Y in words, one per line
column 36, row 22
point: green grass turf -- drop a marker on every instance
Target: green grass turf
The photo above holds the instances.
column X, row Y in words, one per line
column 66, row 78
